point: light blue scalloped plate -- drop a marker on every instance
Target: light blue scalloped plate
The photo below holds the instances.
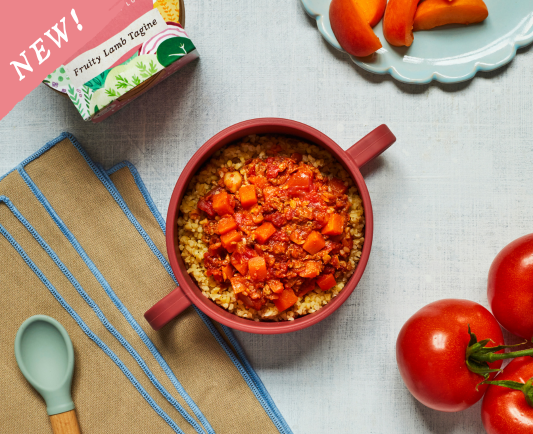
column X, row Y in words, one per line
column 449, row 54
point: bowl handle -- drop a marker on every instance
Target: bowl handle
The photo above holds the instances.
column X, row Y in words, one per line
column 167, row 308
column 370, row 146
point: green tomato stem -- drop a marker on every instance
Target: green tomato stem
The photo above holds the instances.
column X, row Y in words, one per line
column 525, row 388
column 478, row 355
column 492, row 357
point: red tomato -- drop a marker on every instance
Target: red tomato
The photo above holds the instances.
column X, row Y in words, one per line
column 510, row 287
column 504, row 410
column 431, row 353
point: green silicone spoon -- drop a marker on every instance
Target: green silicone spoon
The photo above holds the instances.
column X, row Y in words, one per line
column 45, row 356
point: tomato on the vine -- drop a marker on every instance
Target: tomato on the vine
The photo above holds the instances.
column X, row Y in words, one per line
column 506, row 409
column 431, row 352
column 510, row 287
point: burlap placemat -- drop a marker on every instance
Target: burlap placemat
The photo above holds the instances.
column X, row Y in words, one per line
column 87, row 248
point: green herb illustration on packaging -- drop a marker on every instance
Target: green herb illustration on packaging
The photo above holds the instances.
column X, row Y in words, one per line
column 146, row 72
column 102, row 90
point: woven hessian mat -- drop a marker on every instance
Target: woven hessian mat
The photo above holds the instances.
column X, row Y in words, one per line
column 87, row 250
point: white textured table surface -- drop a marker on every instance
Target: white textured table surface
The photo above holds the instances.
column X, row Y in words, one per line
column 454, row 189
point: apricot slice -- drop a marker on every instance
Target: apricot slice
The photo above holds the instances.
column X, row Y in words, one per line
column 433, row 13
column 352, row 29
column 372, row 10
column 398, row 22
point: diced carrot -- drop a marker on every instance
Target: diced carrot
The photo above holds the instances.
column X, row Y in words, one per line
column 326, row 281
column 286, row 299
column 230, row 240
column 270, row 193
column 314, row 243
column 226, row 224
column 227, row 272
column 257, row 268
column 248, row 196
column 276, row 286
column 312, row 269
column 264, row 232
column 222, row 203
column 240, row 263
column 259, row 181
column 238, row 284
column 299, row 183
column 335, row 225
column 338, row 186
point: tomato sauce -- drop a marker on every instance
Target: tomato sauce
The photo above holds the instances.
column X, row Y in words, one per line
column 276, row 230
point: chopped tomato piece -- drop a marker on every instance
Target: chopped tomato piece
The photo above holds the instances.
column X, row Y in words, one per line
column 227, row 272
column 239, row 262
column 277, row 218
column 270, row 193
column 326, row 281
column 222, row 203
column 299, row 183
column 308, row 286
column 312, row 269
column 257, row 268
column 299, row 235
column 226, row 224
column 321, row 218
column 335, row 225
column 314, row 243
column 338, row 186
column 207, row 207
column 297, row 157
column 238, row 284
column 258, row 180
column 243, row 219
column 248, row 302
column 276, row 286
column 248, row 196
column 264, row 232
column 272, row 170
column 274, row 149
column 230, row 240
column 286, row 299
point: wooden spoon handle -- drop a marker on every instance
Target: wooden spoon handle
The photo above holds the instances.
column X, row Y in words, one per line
column 65, row 423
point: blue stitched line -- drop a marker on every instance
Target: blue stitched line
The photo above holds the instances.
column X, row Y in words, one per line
column 264, row 398
column 89, row 332
column 144, row 191
column 261, row 387
column 116, row 301
column 119, row 199
column 253, row 381
column 100, row 314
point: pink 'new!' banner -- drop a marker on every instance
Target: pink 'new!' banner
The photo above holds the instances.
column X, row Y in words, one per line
column 37, row 37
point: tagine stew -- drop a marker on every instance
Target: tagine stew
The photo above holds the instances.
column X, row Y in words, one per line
column 276, row 228
column 279, row 236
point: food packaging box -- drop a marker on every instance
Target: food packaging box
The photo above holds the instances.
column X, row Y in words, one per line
column 143, row 45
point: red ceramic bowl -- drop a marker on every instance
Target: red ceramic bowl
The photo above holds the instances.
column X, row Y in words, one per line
column 188, row 292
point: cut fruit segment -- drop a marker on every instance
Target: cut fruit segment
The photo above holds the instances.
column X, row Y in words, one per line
column 398, row 22
column 434, row 13
column 351, row 28
column 371, row 10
